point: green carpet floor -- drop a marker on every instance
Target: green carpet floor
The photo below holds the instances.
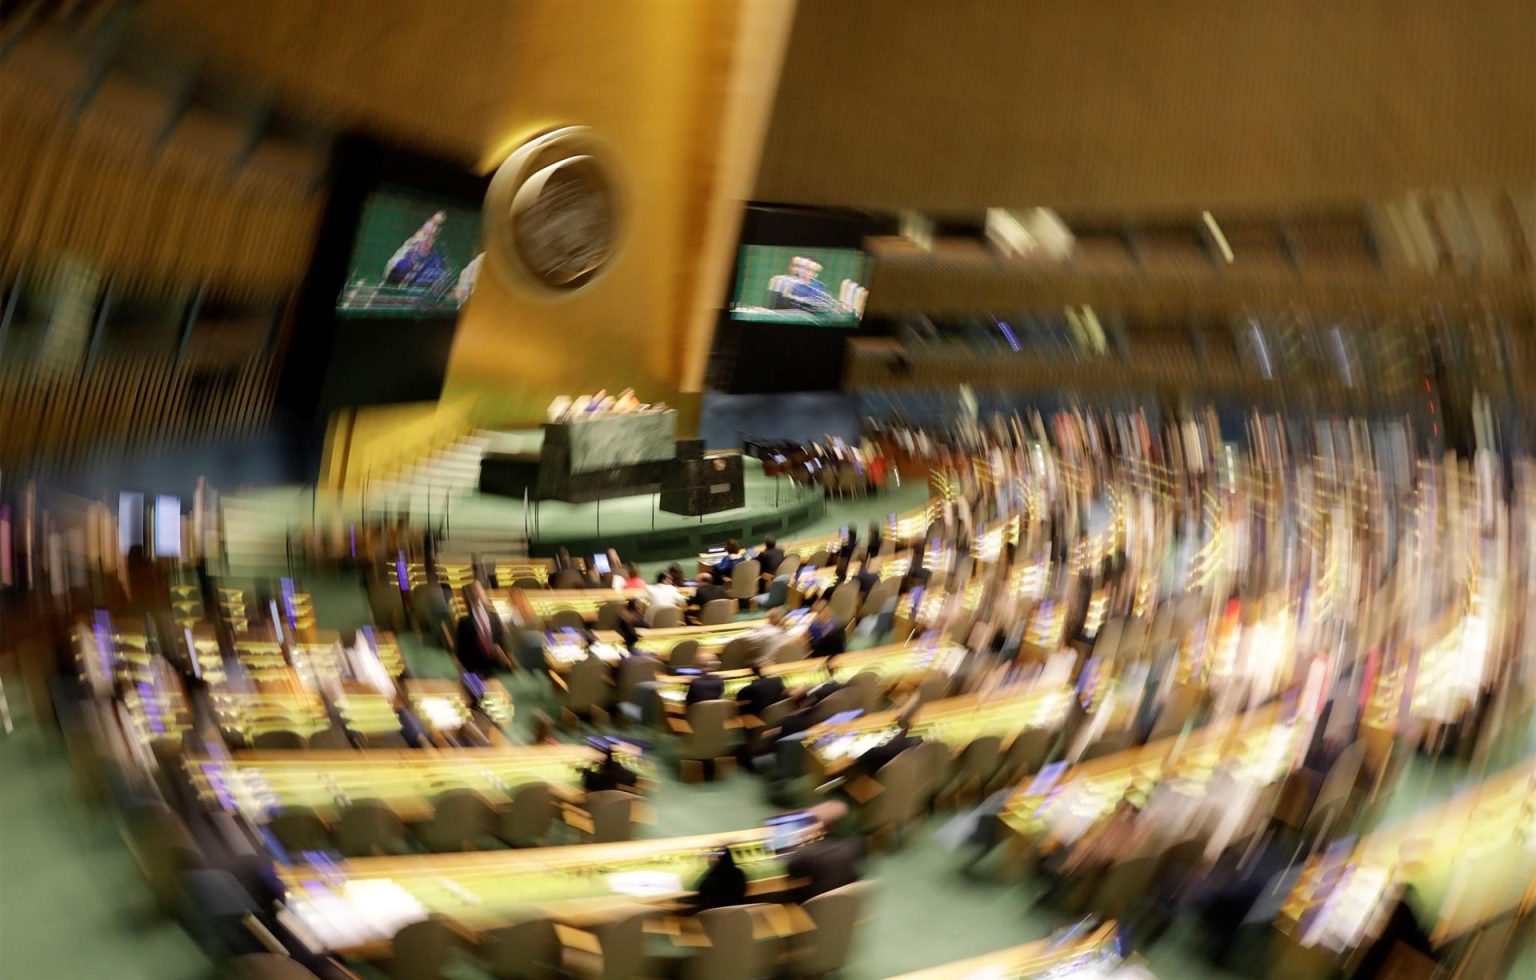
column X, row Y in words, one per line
column 552, row 521
column 73, row 907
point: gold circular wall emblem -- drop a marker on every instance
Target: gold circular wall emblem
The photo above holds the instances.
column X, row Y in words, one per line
column 551, row 214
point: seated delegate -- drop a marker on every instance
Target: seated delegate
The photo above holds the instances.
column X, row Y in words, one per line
column 722, row 885
column 760, row 692
column 608, row 774
column 770, row 557
column 707, row 686
column 734, row 555
column 708, row 591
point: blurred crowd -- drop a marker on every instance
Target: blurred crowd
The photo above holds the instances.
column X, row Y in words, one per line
column 1175, row 675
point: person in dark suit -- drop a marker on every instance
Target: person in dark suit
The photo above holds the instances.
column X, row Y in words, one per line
column 849, row 543
column 771, row 557
column 723, row 885
column 831, row 685
column 828, row 637
column 824, row 865
column 801, row 717
column 608, row 774
column 708, row 591
column 872, row 539
column 480, row 638
column 628, row 627
column 869, row 575
column 760, row 692
column 431, row 607
column 567, row 575
column 706, row 686
column 918, row 572
column 870, row 762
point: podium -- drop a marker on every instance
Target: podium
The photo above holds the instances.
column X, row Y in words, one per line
column 589, row 459
column 703, row 486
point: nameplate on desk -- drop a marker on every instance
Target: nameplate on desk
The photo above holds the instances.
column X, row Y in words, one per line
column 719, row 488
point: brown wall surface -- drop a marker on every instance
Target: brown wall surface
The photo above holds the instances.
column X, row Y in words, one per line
column 1103, row 107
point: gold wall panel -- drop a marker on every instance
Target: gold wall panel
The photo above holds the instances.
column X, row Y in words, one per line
column 97, row 189
column 936, row 285
column 1106, row 107
column 127, row 404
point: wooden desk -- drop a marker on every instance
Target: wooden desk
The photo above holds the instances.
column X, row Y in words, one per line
column 814, row 581
column 455, row 574
column 1030, row 960
column 365, row 710
column 544, row 603
column 913, row 616
column 510, row 571
column 892, row 664
column 1026, row 580
column 1434, row 690
column 103, row 652
column 1471, row 860
column 156, row 706
column 298, row 610
column 496, row 702
column 1266, row 745
column 406, row 780
column 234, row 608
column 355, row 906
column 954, row 721
column 262, row 658
column 281, row 703
column 661, row 641
column 325, row 645
column 987, row 545
column 317, row 653
column 443, row 707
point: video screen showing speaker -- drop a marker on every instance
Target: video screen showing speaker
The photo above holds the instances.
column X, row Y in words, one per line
column 413, row 256
column 810, row 285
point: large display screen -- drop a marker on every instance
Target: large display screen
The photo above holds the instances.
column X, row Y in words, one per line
column 787, row 284
column 413, row 256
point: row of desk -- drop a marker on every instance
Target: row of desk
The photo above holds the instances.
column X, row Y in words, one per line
column 255, row 784
column 953, row 721
column 458, row 574
column 283, row 701
column 316, row 654
column 355, row 906
column 1087, row 953
column 659, row 641
column 280, row 687
column 1471, row 860
column 1262, row 747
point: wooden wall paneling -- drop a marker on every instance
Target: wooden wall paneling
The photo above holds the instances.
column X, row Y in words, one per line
column 959, row 106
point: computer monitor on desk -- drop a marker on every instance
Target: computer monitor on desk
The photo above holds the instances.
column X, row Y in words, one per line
column 789, row 830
